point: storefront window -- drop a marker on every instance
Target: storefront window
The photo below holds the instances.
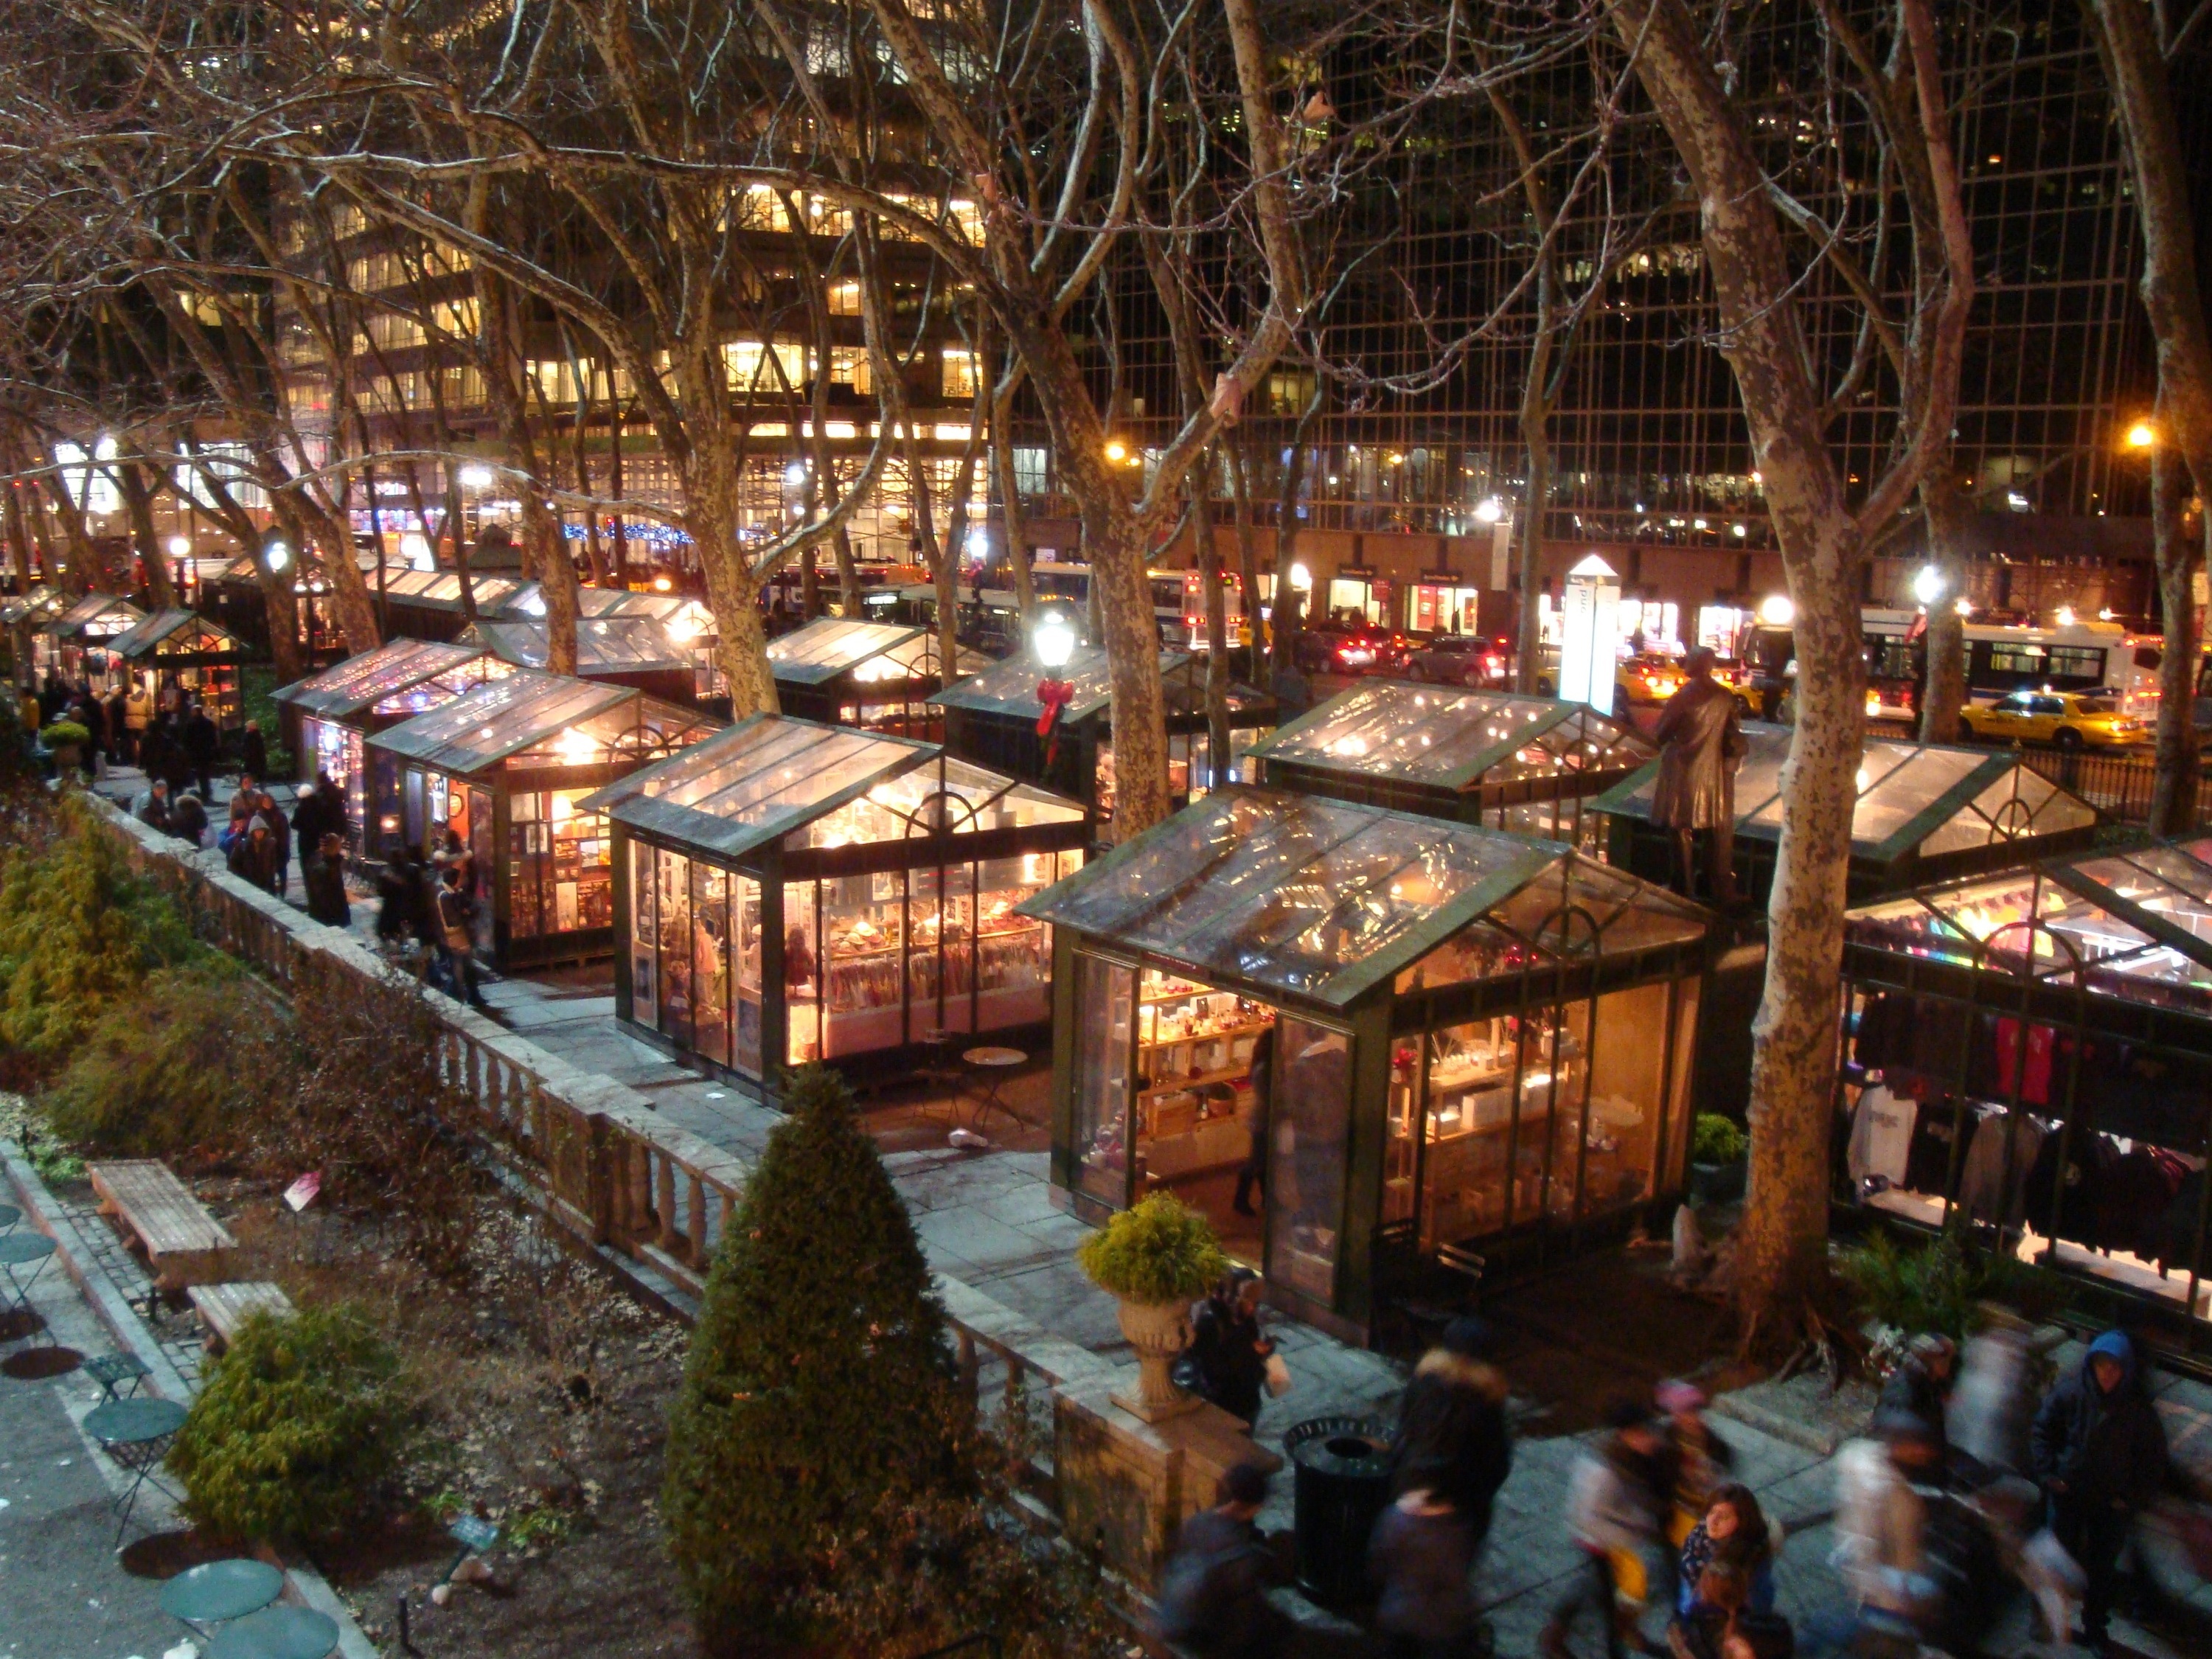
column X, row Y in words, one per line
column 644, row 938
column 1105, row 995
column 710, row 962
column 1310, row 1119
column 1444, row 608
column 746, row 956
column 802, row 972
column 862, row 939
column 674, row 873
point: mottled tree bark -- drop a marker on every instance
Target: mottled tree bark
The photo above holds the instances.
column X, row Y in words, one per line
column 2179, row 557
column 1943, row 690
column 139, row 503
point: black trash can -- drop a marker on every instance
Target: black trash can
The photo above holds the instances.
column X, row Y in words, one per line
column 1343, row 1481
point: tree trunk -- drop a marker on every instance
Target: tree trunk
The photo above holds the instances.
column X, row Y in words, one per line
column 19, row 537
column 1247, row 549
column 1131, row 635
column 82, row 572
column 1009, row 507
column 849, row 573
column 547, row 552
column 2173, row 792
column 138, row 502
column 1216, row 636
column 810, row 585
column 1943, row 693
column 1529, row 532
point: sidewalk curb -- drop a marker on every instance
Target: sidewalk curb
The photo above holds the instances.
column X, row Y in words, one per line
column 1754, row 1415
column 114, row 1310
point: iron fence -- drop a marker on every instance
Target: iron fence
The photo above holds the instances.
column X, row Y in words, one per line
column 2118, row 786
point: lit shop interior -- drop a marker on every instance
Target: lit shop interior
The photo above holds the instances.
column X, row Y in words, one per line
column 633, row 651
column 59, row 645
column 183, row 651
column 795, row 891
column 504, row 767
column 878, row 676
column 991, row 717
column 1518, row 764
column 327, row 716
column 1480, row 1044
column 1925, row 814
column 19, row 615
column 2033, row 1052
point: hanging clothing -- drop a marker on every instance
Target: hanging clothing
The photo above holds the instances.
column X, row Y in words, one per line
column 2024, row 1068
column 1982, row 1192
column 1881, row 1137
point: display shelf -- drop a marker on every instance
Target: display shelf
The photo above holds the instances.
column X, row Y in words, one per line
column 1248, row 1029
column 1204, row 1079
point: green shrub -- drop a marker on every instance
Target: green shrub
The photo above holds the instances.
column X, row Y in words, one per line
column 195, row 1059
column 1717, row 1140
column 820, row 1384
column 1942, row 1285
column 78, row 931
column 295, row 1426
column 61, row 733
column 1159, row 1251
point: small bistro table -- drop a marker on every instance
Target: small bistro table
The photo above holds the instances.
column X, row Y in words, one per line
column 277, row 1632
column 136, row 1433
column 993, row 1063
column 218, row 1591
column 19, row 1251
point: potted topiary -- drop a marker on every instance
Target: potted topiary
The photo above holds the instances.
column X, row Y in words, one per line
column 1155, row 1259
column 65, row 741
column 1717, row 1149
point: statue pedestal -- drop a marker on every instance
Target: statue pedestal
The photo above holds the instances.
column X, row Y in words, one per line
column 1126, row 1485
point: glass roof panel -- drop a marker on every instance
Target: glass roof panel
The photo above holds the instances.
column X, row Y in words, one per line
column 41, row 601
column 830, row 646
column 605, row 645
column 498, row 719
column 1309, row 895
column 362, row 681
column 635, row 728
column 964, row 798
column 756, row 780
column 95, row 614
column 1009, row 687
column 1452, row 739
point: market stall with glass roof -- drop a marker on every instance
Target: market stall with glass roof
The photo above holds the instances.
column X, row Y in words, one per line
column 1525, row 764
column 500, row 772
column 2032, row 1052
column 328, row 716
column 22, row 612
column 991, row 717
column 182, row 650
column 632, row 650
column 1479, row 1044
column 426, row 604
column 1924, row 812
column 791, row 890
column 62, row 644
column 878, row 676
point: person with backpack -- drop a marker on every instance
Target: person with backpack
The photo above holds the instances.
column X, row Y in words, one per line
column 1213, row 1596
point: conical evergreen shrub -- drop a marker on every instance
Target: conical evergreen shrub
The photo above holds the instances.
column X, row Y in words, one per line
column 820, row 1386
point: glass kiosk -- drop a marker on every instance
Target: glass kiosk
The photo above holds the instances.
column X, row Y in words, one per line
column 632, row 650
column 184, row 650
column 876, row 675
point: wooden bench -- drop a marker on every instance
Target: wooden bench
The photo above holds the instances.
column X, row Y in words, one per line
column 223, row 1308
column 183, row 1244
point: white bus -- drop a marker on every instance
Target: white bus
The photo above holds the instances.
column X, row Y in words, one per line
column 2004, row 658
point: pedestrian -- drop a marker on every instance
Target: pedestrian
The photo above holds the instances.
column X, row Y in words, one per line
column 137, row 713
column 1613, row 1512
column 1697, row 1461
column 1451, row 1425
column 1734, row 1533
column 1883, row 1487
column 1227, row 1354
column 1254, row 1171
column 322, row 872
column 152, row 807
column 456, row 918
column 188, row 819
column 176, row 764
column 1992, row 1409
column 253, row 854
column 1921, row 1382
column 336, row 817
column 1714, row 1603
column 1421, row 1561
column 395, row 900
column 1214, row 1599
column 114, row 711
column 202, row 746
column 244, row 802
column 310, row 821
column 454, row 855
column 267, row 811
column 253, row 752
column 2100, row 1454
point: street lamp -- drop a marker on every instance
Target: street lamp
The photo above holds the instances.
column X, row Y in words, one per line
column 1300, row 578
column 2142, row 435
column 1489, row 510
column 1776, row 610
column 180, row 547
column 1928, row 584
column 276, row 556
column 1117, row 452
column 1052, row 641
column 476, row 477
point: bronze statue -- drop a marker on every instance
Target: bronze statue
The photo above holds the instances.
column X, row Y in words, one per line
column 1700, row 746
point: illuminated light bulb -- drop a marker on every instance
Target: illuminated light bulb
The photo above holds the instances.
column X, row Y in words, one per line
column 1927, row 584
column 476, row 477
column 1776, row 611
column 2065, row 616
column 576, row 747
column 1117, row 451
column 1489, row 510
column 2142, row 435
column 180, row 546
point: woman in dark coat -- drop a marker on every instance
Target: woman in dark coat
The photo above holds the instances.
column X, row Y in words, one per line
column 1227, row 1349
column 1452, row 1433
column 1255, row 1172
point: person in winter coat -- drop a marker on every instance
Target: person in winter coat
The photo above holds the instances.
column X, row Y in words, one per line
column 202, row 746
column 1736, row 1535
column 1451, row 1425
column 1421, row 1559
column 114, row 710
column 1993, row 1408
column 1254, row 1171
column 137, row 713
column 1921, row 1382
column 188, row 820
column 2099, row 1453
column 253, row 854
column 254, row 750
column 1613, row 1512
column 395, row 899
column 323, row 872
column 1214, row 1594
column 1883, row 1487
column 152, row 808
column 1227, row 1349
column 457, row 913
column 332, row 798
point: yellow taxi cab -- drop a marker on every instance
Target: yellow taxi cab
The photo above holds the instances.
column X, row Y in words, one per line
column 2064, row 720
column 1647, row 678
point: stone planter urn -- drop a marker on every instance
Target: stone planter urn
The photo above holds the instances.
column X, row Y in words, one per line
column 1159, row 1332
column 68, row 756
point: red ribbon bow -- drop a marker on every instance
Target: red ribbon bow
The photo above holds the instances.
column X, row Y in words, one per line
column 1054, row 696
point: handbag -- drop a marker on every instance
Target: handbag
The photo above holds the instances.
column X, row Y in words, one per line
column 1279, row 1377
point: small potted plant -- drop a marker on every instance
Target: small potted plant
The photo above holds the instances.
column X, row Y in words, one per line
column 1717, row 1149
column 1155, row 1259
column 65, row 741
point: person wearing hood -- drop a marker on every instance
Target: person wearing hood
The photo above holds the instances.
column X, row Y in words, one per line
column 2099, row 1452
column 1452, row 1433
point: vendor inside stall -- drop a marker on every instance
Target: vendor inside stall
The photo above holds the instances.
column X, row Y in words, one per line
column 497, row 775
column 817, row 892
column 1439, row 1048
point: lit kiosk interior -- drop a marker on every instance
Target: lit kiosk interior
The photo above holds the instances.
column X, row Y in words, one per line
column 991, row 717
column 1519, row 764
column 1925, row 813
column 880, row 675
column 328, row 716
column 806, row 891
column 2033, row 1051
column 505, row 766
column 632, row 650
column 183, row 649
column 59, row 644
column 1482, row 1042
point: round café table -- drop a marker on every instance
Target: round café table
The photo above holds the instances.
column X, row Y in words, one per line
column 219, row 1591
column 994, row 1064
column 278, row 1632
column 136, row 1433
column 23, row 1257
column 9, row 1215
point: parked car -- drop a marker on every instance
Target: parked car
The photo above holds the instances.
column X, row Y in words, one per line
column 1648, row 680
column 1459, row 660
column 2064, row 720
column 1338, row 647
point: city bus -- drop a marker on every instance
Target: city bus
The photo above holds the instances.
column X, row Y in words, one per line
column 2001, row 658
column 1178, row 598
